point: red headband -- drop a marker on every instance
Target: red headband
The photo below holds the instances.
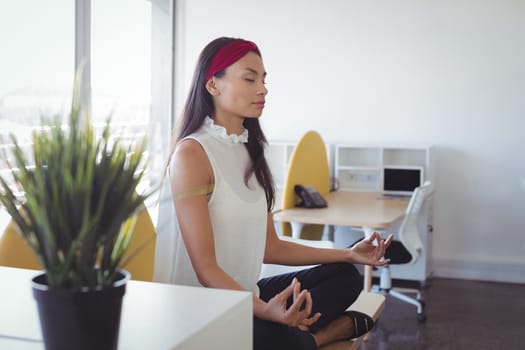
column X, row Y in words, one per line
column 229, row 54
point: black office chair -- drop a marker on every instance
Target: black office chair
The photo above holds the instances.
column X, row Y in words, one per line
column 406, row 249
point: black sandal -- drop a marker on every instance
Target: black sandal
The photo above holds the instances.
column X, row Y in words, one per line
column 362, row 323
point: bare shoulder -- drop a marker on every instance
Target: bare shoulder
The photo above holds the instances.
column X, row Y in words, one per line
column 190, row 165
column 189, row 150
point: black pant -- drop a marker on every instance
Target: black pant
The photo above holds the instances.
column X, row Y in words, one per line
column 334, row 287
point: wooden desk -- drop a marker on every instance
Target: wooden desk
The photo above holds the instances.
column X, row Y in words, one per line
column 369, row 211
column 154, row 316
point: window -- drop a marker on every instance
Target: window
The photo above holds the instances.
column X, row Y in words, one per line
column 121, row 67
column 121, row 38
column 36, row 65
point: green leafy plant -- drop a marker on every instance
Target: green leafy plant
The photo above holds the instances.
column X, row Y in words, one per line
column 80, row 197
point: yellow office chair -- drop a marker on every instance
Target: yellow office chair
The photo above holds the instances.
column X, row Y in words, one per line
column 141, row 249
column 308, row 166
column 15, row 252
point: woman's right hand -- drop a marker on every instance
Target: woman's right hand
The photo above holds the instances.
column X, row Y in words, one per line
column 295, row 315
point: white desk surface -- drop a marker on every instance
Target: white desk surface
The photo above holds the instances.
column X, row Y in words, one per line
column 154, row 316
column 363, row 209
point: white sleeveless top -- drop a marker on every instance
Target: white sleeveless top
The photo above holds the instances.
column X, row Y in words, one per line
column 238, row 214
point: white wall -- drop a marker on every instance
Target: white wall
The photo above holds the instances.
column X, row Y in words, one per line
column 449, row 73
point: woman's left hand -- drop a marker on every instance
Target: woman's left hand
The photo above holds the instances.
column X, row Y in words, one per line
column 367, row 253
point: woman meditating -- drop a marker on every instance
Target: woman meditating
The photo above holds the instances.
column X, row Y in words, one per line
column 215, row 225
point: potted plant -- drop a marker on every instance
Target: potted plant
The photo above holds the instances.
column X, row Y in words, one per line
column 77, row 215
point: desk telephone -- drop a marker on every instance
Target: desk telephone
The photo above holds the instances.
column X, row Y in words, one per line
column 310, row 198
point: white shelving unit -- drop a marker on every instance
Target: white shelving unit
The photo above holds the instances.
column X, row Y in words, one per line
column 356, row 168
column 360, row 168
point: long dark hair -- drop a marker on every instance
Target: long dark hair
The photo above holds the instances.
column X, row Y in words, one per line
column 199, row 104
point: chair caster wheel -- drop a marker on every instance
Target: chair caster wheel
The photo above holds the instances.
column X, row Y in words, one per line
column 421, row 318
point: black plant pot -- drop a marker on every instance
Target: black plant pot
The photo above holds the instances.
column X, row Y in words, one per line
column 80, row 319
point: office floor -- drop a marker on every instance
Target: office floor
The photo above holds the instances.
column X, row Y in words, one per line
column 460, row 315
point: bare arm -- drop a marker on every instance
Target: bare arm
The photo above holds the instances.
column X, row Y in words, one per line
column 191, row 169
column 289, row 253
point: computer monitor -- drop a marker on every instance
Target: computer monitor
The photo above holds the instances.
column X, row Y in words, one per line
column 401, row 180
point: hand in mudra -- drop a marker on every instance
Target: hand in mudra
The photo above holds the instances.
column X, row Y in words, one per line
column 370, row 251
column 298, row 314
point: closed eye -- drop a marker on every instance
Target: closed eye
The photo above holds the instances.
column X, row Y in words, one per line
column 254, row 72
column 253, row 80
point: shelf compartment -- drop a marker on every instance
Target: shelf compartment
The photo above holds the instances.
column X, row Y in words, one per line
column 358, row 156
column 405, row 156
column 359, row 179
